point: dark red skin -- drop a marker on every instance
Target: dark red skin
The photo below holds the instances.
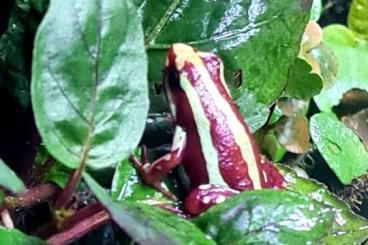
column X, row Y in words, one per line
column 233, row 167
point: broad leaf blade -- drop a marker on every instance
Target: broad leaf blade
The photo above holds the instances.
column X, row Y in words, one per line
column 14, row 236
column 348, row 228
column 9, row 180
column 259, row 38
column 147, row 224
column 267, row 217
column 89, row 87
column 339, row 146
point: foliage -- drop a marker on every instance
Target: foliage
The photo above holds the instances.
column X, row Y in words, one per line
column 95, row 69
column 82, row 113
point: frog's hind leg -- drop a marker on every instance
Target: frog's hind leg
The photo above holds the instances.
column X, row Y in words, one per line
column 205, row 196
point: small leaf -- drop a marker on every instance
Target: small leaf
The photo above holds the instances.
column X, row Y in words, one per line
column 89, row 84
column 348, row 228
column 316, row 10
column 351, row 75
column 9, row 180
column 147, row 224
column 14, row 236
column 126, row 186
column 302, row 84
column 272, row 147
column 278, row 217
column 358, row 18
column 292, row 132
column 358, row 123
column 339, row 146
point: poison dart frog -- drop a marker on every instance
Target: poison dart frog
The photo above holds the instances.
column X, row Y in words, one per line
column 211, row 139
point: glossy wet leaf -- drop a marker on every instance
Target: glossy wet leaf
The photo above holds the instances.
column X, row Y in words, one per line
column 126, row 186
column 358, row 123
column 89, row 85
column 328, row 63
column 302, row 83
column 9, row 180
column 149, row 225
column 14, row 236
column 278, row 217
column 348, row 228
column 16, row 48
column 350, row 74
column 292, row 132
column 259, row 38
column 339, row 146
column 255, row 113
column 358, row 18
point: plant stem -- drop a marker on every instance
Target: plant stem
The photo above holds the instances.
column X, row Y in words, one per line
column 31, row 197
column 79, row 229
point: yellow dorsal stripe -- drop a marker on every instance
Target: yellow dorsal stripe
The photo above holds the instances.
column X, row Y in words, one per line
column 185, row 53
column 203, row 127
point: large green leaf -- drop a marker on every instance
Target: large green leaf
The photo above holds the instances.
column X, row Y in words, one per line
column 89, row 81
column 259, row 38
column 267, row 217
column 350, row 74
column 14, row 236
column 348, row 228
column 16, row 47
column 339, row 146
column 149, row 225
column 9, row 180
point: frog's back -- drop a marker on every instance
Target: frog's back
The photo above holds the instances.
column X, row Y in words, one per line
column 219, row 150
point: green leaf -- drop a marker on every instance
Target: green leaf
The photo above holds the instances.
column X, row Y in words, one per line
column 89, row 81
column 302, row 84
column 14, row 236
column 259, row 38
column 339, row 146
column 148, row 224
column 16, row 48
column 348, row 228
column 358, row 18
column 350, row 74
column 9, row 180
column 316, row 10
column 126, row 186
column 278, row 217
column 254, row 113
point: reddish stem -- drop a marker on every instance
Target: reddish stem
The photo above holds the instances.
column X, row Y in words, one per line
column 32, row 196
column 65, row 196
column 82, row 214
column 79, row 229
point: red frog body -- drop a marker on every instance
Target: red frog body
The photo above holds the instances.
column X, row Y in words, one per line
column 211, row 139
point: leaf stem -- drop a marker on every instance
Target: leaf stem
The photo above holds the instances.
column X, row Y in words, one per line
column 79, row 229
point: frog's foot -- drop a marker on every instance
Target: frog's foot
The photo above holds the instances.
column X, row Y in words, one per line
column 205, row 196
column 152, row 174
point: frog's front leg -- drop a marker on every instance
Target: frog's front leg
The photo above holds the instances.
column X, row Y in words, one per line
column 206, row 196
column 153, row 173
